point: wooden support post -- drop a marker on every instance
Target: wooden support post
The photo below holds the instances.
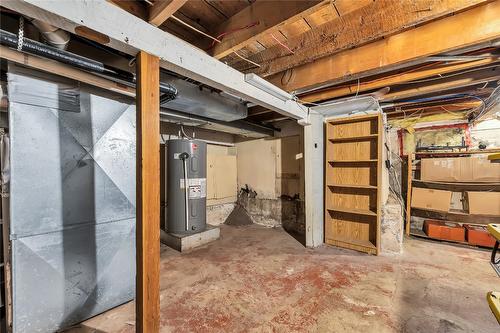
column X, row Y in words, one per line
column 148, row 194
column 409, row 177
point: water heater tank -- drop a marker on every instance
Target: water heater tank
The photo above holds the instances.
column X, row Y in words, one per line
column 186, row 205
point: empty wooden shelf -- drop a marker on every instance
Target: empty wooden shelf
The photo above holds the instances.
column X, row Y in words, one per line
column 353, row 176
column 360, row 186
column 353, row 161
column 352, row 211
column 355, row 138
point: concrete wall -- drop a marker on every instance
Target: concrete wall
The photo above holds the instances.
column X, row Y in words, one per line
column 273, row 170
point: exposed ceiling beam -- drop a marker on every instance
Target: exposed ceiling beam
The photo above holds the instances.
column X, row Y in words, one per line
column 399, row 78
column 441, row 86
column 257, row 110
column 261, row 18
column 366, row 24
column 133, row 7
column 163, row 9
column 130, row 34
column 474, row 26
column 435, row 109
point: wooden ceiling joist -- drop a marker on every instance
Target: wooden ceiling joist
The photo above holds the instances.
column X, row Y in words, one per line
column 478, row 25
column 399, row 78
column 366, row 24
column 441, row 86
column 133, row 7
column 435, row 109
column 163, row 9
column 130, row 34
column 257, row 20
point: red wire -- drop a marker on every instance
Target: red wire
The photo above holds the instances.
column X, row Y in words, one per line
column 225, row 33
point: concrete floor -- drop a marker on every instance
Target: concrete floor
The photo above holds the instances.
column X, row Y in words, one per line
column 262, row 280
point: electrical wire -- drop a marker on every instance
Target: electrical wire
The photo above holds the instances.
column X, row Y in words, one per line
column 357, row 90
column 247, row 60
column 282, row 44
column 398, row 195
column 225, row 33
column 487, row 104
column 193, row 28
column 184, row 133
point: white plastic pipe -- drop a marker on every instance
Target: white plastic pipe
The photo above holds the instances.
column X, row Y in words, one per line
column 52, row 35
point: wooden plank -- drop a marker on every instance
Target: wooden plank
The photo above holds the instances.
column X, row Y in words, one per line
column 386, row 81
column 380, row 132
column 163, row 9
column 478, row 25
column 133, row 7
column 380, row 19
column 353, row 161
column 356, row 186
column 457, row 153
column 353, row 211
column 440, row 86
column 270, row 16
column 403, row 111
column 355, row 138
column 454, row 216
column 130, row 34
column 494, row 157
column 456, row 187
column 148, row 194
column 326, row 12
column 409, row 177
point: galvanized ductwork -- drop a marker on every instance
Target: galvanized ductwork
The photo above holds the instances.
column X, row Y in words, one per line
column 200, row 101
column 168, row 91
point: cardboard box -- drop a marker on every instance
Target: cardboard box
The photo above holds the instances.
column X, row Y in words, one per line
column 444, row 169
column 476, row 168
column 483, row 170
column 424, row 198
column 444, row 230
column 484, row 203
column 478, row 235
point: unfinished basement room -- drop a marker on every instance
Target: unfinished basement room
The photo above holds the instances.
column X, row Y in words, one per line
column 250, row 166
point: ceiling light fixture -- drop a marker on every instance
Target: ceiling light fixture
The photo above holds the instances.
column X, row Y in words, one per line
column 270, row 88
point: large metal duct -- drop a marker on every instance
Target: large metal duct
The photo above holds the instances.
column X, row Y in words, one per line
column 72, row 200
column 199, row 101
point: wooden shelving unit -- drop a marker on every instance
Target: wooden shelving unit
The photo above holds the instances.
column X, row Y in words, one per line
column 353, row 176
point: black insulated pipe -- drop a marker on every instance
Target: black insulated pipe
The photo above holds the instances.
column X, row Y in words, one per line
column 168, row 91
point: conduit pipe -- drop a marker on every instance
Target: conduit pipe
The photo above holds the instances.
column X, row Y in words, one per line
column 52, row 35
column 9, row 39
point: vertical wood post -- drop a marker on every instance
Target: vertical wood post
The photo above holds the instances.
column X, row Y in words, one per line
column 148, row 194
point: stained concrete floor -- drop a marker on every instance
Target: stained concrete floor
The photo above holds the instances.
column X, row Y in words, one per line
column 262, row 280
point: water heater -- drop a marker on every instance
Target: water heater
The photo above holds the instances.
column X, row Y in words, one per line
column 186, row 186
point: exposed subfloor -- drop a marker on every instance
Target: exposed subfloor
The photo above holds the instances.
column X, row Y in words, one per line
column 256, row 279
